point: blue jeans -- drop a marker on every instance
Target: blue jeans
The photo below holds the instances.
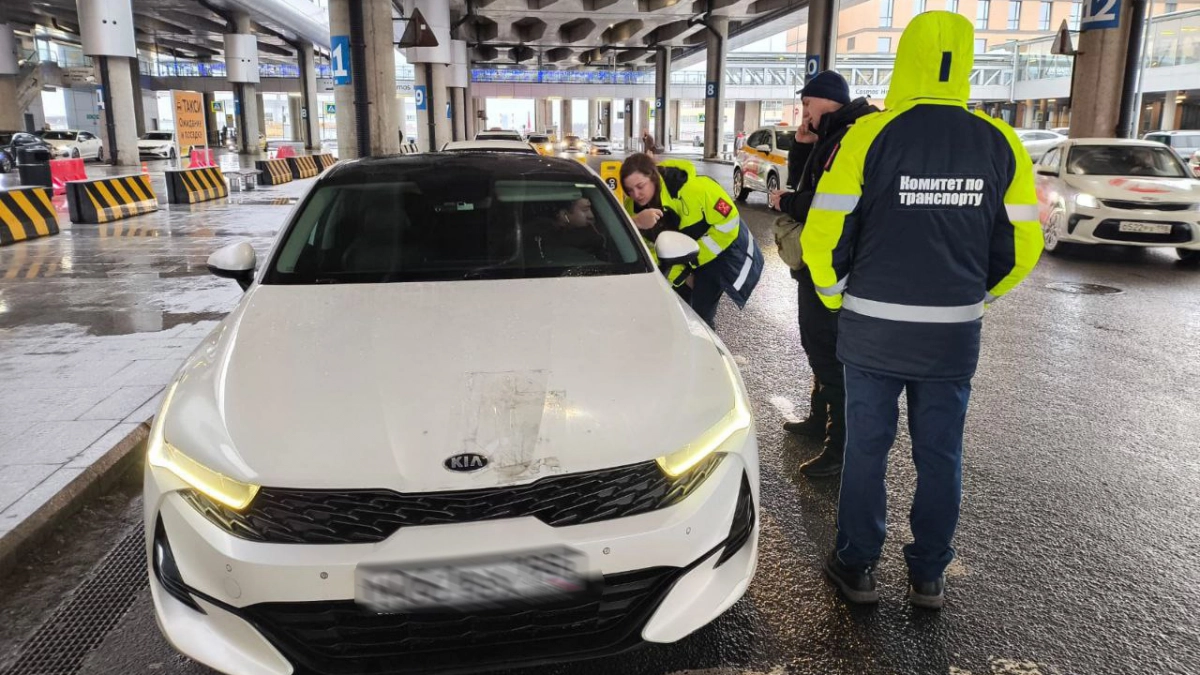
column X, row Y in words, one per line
column 937, row 412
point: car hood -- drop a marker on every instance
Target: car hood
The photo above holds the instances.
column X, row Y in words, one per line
column 1138, row 188
column 376, row 385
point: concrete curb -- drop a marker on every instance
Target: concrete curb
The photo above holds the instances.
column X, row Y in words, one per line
column 94, row 481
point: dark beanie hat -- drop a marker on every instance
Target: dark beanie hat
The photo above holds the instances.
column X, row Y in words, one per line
column 828, row 84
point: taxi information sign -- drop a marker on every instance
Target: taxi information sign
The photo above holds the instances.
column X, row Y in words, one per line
column 190, row 129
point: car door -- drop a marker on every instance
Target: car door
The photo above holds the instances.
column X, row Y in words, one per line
column 89, row 145
column 757, row 158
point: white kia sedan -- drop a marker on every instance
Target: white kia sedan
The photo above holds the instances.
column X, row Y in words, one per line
column 458, row 421
column 74, row 144
column 1124, row 192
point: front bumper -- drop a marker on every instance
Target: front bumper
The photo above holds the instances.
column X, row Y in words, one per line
column 276, row 608
column 152, row 152
column 1101, row 225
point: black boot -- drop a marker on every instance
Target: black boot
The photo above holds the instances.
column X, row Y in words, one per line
column 858, row 585
column 812, row 426
column 829, row 462
column 927, row 594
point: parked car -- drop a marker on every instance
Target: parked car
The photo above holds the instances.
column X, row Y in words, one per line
column 1038, row 141
column 12, row 141
column 443, row 431
column 74, row 144
column 1115, row 191
column 1184, row 143
column 761, row 164
column 158, row 144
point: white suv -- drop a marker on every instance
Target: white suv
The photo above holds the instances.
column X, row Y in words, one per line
column 762, row 162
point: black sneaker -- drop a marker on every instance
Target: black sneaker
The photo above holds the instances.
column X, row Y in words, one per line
column 857, row 585
column 824, row 465
column 810, row 427
column 927, row 594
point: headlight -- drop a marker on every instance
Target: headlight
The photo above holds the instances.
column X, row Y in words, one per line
column 716, row 437
column 232, row 493
column 1087, row 201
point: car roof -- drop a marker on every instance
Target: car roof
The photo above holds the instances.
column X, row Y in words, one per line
column 511, row 163
column 1173, row 133
column 777, row 127
column 498, row 145
column 1127, row 142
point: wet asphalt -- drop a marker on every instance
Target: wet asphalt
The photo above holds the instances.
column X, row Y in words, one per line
column 1078, row 540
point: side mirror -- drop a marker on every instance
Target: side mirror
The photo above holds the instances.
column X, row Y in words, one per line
column 1044, row 170
column 676, row 248
column 763, row 148
column 236, row 261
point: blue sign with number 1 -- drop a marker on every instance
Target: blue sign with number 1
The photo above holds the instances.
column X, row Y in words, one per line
column 339, row 57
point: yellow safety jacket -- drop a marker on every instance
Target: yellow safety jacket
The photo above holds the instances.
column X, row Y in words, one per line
column 926, row 212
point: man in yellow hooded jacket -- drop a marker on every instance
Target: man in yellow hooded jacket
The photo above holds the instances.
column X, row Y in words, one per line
column 926, row 213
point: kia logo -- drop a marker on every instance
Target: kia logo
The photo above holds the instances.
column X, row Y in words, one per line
column 466, row 462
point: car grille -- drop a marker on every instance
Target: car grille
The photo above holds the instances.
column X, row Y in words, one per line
column 338, row 637
column 1181, row 233
column 1146, row 206
column 364, row 516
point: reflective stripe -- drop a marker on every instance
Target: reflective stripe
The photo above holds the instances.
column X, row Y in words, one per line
column 728, row 227
column 831, row 202
column 711, row 244
column 913, row 313
column 834, row 289
column 989, row 298
column 745, row 273
column 1018, row 212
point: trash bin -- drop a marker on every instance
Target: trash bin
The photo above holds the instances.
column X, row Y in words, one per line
column 33, row 167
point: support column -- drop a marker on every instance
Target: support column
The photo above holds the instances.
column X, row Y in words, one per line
column 821, row 33
column 674, row 112
column 1042, row 117
column 106, row 29
column 606, row 118
column 309, row 119
column 135, row 76
column 714, row 101
column 1028, row 123
column 479, row 105
column 430, row 64
column 1170, row 106
column 10, row 114
column 1100, row 76
column 459, row 79
column 662, row 94
column 212, row 121
column 564, row 117
column 368, row 115
column 261, row 107
column 295, row 106
column 644, row 122
column 627, row 104
column 539, row 115
column 241, row 64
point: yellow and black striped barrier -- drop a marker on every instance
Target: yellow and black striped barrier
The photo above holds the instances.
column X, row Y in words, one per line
column 274, row 171
column 303, row 166
column 106, row 199
column 324, row 161
column 26, row 213
column 189, row 186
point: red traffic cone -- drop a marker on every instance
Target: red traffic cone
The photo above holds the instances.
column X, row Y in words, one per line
column 144, row 169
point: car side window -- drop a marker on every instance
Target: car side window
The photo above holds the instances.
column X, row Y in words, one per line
column 85, row 136
column 758, row 138
column 1050, row 159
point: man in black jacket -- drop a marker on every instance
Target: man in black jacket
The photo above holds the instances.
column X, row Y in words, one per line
column 828, row 112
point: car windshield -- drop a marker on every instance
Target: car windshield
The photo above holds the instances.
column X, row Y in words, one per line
column 60, row 135
column 1124, row 160
column 785, row 139
column 537, row 138
column 157, row 136
column 498, row 136
column 599, row 139
column 465, row 220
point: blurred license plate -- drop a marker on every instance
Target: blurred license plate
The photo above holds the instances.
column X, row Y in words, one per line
column 539, row 577
column 1144, row 228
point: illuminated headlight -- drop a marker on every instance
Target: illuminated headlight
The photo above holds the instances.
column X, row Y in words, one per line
column 724, row 435
column 161, row 454
column 1087, row 201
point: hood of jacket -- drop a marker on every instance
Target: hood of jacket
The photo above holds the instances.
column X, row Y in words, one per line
column 674, row 173
column 933, row 61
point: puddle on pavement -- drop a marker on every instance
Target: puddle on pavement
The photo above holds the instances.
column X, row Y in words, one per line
column 1082, row 289
column 104, row 323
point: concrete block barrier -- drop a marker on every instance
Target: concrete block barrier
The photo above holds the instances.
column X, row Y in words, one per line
column 324, row 161
column 189, row 186
column 274, row 171
column 106, row 199
column 26, row 213
column 303, row 166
